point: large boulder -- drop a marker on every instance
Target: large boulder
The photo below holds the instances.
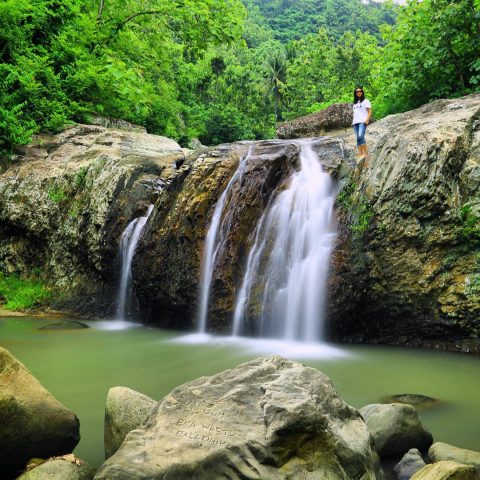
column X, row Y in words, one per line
column 335, row 117
column 446, row 470
column 405, row 267
column 443, row 451
column 395, row 428
column 269, row 418
column 33, row 423
column 125, row 410
column 67, row 467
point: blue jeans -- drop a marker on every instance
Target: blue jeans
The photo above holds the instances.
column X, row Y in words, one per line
column 359, row 130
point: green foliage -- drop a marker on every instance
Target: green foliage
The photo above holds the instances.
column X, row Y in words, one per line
column 23, row 294
column 469, row 230
column 431, row 52
column 56, row 194
column 79, row 177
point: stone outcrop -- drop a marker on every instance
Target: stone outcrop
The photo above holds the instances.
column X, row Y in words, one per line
column 67, row 198
column 335, row 117
column 395, row 428
column 406, row 268
column 125, row 410
column 269, row 418
column 33, row 423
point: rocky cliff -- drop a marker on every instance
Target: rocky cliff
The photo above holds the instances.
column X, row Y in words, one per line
column 406, row 265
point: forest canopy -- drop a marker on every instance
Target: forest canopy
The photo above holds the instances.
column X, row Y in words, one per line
column 225, row 70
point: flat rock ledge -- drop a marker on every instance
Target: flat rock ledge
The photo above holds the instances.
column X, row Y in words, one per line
column 266, row 419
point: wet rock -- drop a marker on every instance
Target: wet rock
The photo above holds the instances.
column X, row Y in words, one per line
column 334, row 117
column 125, row 410
column 268, row 418
column 170, row 252
column 34, row 423
column 406, row 266
column 395, row 428
column 446, row 470
column 410, row 463
column 443, row 451
column 65, row 325
column 67, row 467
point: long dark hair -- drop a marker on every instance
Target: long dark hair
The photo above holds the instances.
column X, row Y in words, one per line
column 355, row 98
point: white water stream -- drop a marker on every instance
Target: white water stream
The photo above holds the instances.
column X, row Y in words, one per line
column 128, row 243
column 287, row 269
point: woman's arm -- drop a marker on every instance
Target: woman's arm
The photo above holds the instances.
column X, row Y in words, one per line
column 367, row 121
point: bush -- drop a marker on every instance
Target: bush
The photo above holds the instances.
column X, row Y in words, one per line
column 20, row 294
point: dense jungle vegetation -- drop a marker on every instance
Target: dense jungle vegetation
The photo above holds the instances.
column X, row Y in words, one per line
column 223, row 70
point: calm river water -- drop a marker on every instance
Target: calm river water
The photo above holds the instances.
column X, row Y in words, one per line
column 79, row 366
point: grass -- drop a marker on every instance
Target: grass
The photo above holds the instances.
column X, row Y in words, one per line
column 20, row 294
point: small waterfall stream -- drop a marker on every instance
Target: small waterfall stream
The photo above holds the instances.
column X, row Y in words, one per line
column 128, row 243
column 287, row 268
column 216, row 237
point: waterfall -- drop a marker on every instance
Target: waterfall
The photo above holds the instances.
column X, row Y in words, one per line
column 128, row 243
column 215, row 240
column 284, row 284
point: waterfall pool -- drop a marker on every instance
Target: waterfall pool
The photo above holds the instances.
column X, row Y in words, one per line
column 79, row 366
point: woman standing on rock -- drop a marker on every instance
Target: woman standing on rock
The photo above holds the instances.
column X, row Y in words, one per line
column 362, row 111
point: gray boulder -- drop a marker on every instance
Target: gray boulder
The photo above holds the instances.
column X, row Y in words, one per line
column 67, row 467
column 446, row 470
column 266, row 419
column 33, row 423
column 334, row 117
column 443, row 451
column 410, row 464
column 125, row 410
column 395, row 428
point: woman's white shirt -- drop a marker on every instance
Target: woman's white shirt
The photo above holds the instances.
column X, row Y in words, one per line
column 360, row 112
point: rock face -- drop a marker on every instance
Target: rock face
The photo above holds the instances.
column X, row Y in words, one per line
column 335, row 117
column 268, row 418
column 406, row 268
column 66, row 200
column 125, row 410
column 33, row 423
column 395, row 428
column 170, row 253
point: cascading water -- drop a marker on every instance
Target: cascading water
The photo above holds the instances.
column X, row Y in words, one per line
column 284, row 284
column 215, row 240
column 128, row 243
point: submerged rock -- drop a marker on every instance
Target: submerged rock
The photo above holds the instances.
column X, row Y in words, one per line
column 446, row 470
column 415, row 399
column 65, row 325
column 411, row 463
column 33, row 423
column 269, row 418
column 395, row 428
column 67, row 467
column 125, row 410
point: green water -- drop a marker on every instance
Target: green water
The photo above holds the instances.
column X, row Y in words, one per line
column 79, row 366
